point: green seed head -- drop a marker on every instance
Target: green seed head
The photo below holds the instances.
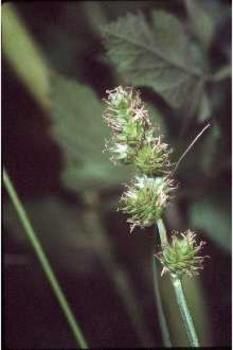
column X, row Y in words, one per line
column 181, row 255
column 126, row 116
column 146, row 200
column 152, row 158
column 121, row 152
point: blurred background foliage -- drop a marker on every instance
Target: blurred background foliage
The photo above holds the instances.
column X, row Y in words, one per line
column 58, row 60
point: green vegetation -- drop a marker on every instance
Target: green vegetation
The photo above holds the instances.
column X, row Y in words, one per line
column 58, row 61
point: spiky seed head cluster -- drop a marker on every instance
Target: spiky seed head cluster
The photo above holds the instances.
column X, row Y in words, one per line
column 133, row 140
column 127, row 117
column 181, row 255
column 146, row 199
column 124, row 105
column 153, row 157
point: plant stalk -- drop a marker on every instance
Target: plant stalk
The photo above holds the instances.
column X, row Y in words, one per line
column 162, row 232
column 180, row 297
column 185, row 313
column 54, row 284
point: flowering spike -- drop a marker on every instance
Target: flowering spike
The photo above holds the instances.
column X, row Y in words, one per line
column 146, row 199
column 127, row 117
column 132, row 139
column 133, row 142
column 152, row 158
column 180, row 256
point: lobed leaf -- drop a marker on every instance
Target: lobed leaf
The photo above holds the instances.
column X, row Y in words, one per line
column 159, row 56
column 202, row 19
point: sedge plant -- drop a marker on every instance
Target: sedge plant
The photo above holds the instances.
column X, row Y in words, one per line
column 136, row 141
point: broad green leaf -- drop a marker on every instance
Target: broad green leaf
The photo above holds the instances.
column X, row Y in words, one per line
column 24, row 55
column 212, row 214
column 159, row 55
column 79, row 129
column 202, row 21
column 204, row 17
column 114, row 9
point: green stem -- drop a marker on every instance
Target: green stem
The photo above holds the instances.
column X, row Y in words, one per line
column 31, row 234
column 180, row 297
column 162, row 232
column 162, row 319
column 185, row 313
